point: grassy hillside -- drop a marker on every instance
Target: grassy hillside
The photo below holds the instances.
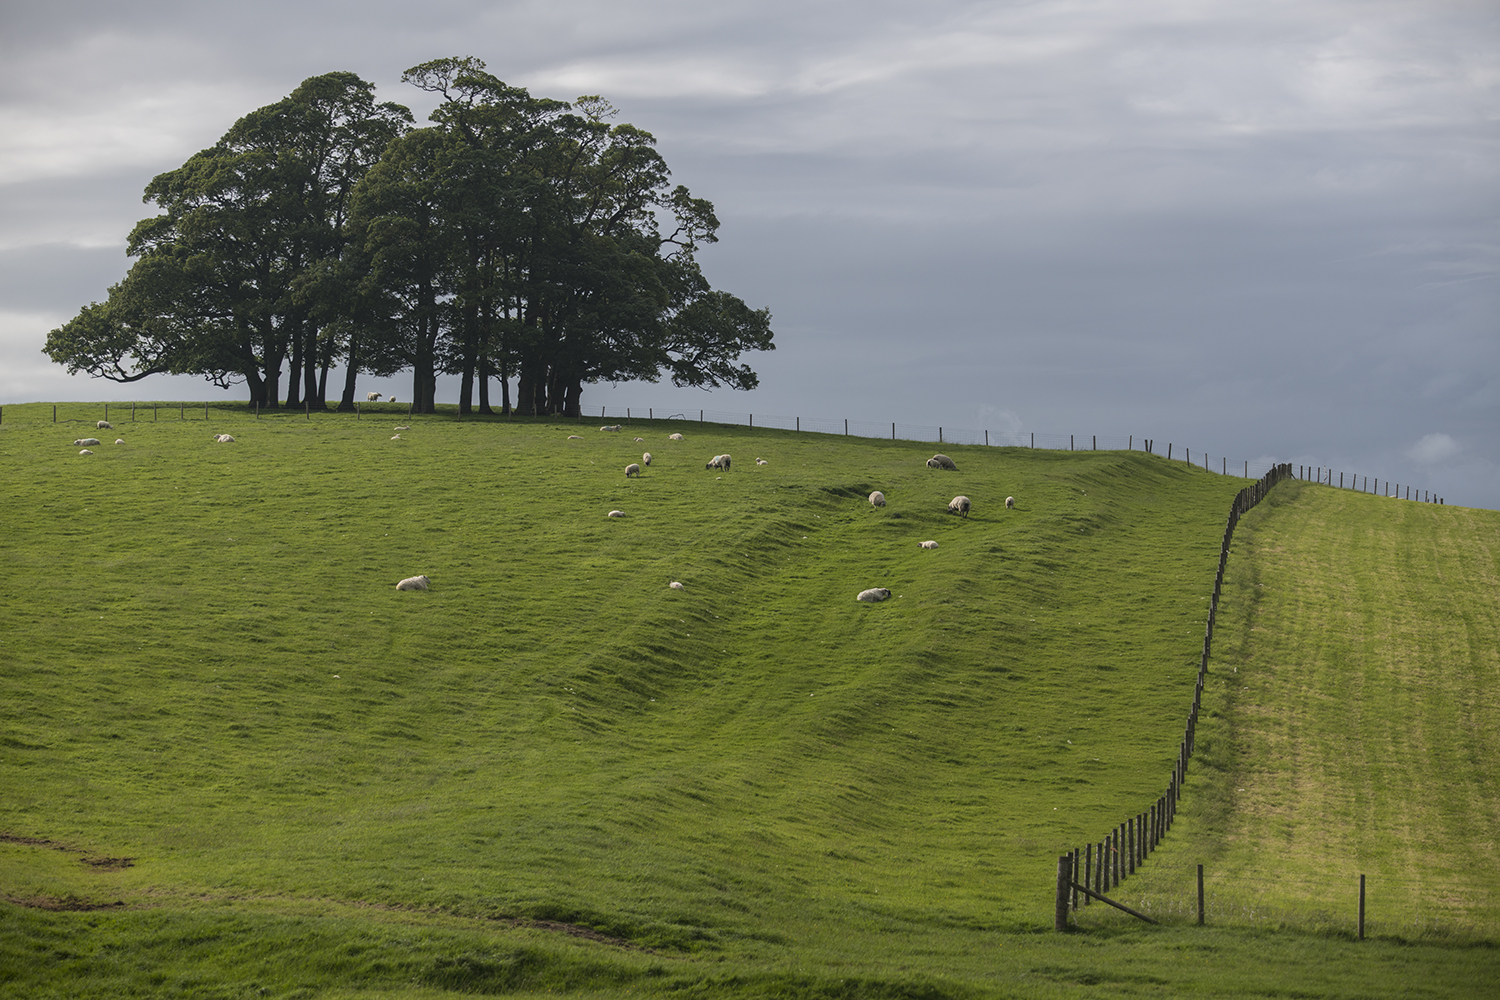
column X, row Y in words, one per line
column 554, row 772
column 1356, row 719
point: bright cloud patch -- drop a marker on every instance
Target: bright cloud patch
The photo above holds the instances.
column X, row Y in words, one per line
column 1434, row 448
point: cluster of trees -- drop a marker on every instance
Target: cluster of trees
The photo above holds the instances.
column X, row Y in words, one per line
column 514, row 239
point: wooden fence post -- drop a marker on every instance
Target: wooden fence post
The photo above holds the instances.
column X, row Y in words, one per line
column 1064, row 879
column 1361, row 907
column 1200, row 895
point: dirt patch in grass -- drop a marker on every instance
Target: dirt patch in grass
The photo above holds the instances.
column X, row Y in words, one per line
column 63, row 904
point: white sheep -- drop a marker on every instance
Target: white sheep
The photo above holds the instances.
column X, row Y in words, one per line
column 675, row 585
column 617, row 513
column 610, row 427
column 390, row 399
column 370, row 397
column 959, row 505
column 119, row 440
column 640, row 439
column 224, row 439
column 632, row 470
column 81, row 442
column 718, row 462
column 403, row 427
column 646, row 458
column 85, row 452
column 674, row 437
column 929, row 544
column 395, row 437
column 105, row 425
column 874, row 595
column 575, row 437
column 1010, row 503
column 877, row 499
column 413, row 583
column 761, row 461
column 941, row 462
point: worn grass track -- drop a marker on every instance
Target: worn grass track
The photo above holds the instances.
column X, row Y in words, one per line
column 217, row 711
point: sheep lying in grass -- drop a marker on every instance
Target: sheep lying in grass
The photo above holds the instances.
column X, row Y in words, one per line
column 646, row 458
column 632, row 470
column 761, row 461
column 929, row 544
column 1010, row 503
column 617, row 513
column 395, row 437
column 371, row 397
column 610, row 427
column 105, row 425
column 959, row 505
column 413, row 583
column 119, row 440
column 640, row 439
column 575, row 437
column 718, row 462
column 877, row 499
column 941, row 462
column 403, row 427
column 224, row 439
column 81, row 442
column 674, row 437
column 675, row 585
column 85, row 452
column 874, row 595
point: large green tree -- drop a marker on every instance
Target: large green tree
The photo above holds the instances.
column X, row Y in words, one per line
column 238, row 276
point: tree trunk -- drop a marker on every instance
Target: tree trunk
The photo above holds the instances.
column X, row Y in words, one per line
column 351, row 374
column 294, row 373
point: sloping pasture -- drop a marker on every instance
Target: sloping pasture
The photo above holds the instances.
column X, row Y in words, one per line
column 220, row 715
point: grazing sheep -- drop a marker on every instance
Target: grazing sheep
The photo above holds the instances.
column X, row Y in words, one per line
column 370, row 397
column 675, row 585
column 959, row 505
column 941, row 462
column 877, row 499
column 413, row 583
column 873, row 596
column 674, row 437
column 646, row 458
column 1010, row 503
column 85, row 452
column 119, row 440
column 929, row 544
column 223, row 439
column 617, row 513
column 105, row 425
column 610, row 427
column 718, row 462
column 85, row 441
column 632, row 469
column 391, row 399
column 761, row 461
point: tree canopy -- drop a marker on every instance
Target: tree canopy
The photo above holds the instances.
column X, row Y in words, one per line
column 515, row 238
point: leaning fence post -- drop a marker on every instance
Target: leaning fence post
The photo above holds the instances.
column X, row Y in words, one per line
column 1064, row 878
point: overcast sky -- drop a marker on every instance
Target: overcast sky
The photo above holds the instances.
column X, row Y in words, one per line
column 1262, row 230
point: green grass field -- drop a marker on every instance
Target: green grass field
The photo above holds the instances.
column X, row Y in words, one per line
column 234, row 761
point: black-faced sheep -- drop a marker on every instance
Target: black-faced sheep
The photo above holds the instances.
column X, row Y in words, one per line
column 718, row 462
column 959, row 505
column 413, row 583
column 761, row 461
column 877, row 499
column 632, row 469
column 941, row 462
column 874, row 595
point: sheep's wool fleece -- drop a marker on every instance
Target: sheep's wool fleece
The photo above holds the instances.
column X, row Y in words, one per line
column 413, row 583
column 874, row 595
